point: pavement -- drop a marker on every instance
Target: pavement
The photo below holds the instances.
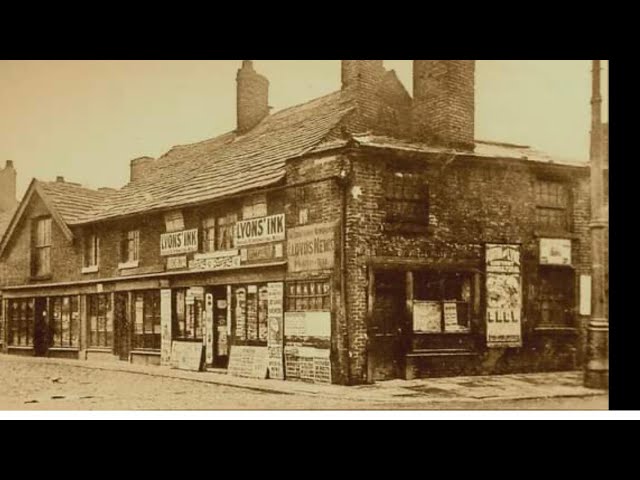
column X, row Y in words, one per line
column 472, row 391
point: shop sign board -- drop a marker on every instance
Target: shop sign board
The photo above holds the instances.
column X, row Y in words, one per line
column 176, row 263
column 307, row 324
column 187, row 356
column 177, row 243
column 451, row 317
column 555, row 251
column 260, row 230
column 504, row 296
column 210, row 264
column 312, row 247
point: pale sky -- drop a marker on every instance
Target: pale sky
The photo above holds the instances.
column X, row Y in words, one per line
column 85, row 120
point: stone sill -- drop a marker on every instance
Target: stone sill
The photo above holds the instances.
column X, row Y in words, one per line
column 129, row 265
column 93, row 269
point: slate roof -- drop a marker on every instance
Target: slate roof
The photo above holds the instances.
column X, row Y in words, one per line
column 227, row 164
column 482, row 149
column 72, row 201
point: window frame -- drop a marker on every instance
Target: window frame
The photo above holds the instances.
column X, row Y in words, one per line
column 407, row 197
column 151, row 340
column 105, row 318
column 56, row 325
column 21, row 320
column 129, row 257
column 553, row 204
column 42, row 241
column 91, row 253
column 301, row 299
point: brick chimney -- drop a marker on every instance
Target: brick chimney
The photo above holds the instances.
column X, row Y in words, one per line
column 8, row 187
column 252, row 97
column 444, row 102
column 364, row 77
column 140, row 167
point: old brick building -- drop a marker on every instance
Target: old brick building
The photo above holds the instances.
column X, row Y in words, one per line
column 362, row 236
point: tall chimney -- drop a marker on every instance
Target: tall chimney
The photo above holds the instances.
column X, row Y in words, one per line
column 444, row 102
column 140, row 167
column 8, row 187
column 364, row 77
column 252, row 97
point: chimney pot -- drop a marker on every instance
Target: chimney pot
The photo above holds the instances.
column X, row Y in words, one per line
column 60, row 179
column 252, row 97
column 8, row 177
column 9, row 164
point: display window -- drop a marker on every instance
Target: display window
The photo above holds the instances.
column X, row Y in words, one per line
column 21, row 322
column 100, row 321
column 147, row 320
column 64, row 321
column 250, row 314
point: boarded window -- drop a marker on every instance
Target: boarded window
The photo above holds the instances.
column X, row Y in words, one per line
column 552, row 205
column 407, row 196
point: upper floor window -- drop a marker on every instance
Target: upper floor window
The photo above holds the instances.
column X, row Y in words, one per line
column 225, row 231
column 209, row 234
column 552, row 205
column 407, row 197
column 129, row 246
column 91, row 251
column 254, row 207
column 174, row 221
column 42, row 247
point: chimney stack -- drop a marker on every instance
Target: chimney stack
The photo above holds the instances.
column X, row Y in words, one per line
column 444, row 102
column 8, row 187
column 364, row 77
column 252, row 97
column 60, row 179
column 140, row 167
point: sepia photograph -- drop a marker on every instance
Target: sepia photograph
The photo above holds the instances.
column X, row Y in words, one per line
column 304, row 235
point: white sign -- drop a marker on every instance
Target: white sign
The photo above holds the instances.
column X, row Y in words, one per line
column 209, row 329
column 555, row 251
column 427, row 317
column 307, row 324
column 179, row 242
column 451, row 317
column 585, row 294
column 260, row 230
column 165, row 321
column 176, row 263
column 504, row 296
column 213, row 264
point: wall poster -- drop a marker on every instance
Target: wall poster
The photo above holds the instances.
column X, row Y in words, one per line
column 427, row 317
column 208, row 320
column 165, row 320
column 275, row 334
column 504, row 296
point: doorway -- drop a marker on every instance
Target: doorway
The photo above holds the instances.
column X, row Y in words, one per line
column 41, row 331
column 220, row 326
column 387, row 327
column 122, row 326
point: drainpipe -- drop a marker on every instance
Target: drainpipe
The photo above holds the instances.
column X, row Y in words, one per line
column 344, row 181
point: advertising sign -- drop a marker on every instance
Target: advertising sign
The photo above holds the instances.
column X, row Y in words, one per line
column 275, row 334
column 179, row 242
column 165, row 321
column 427, row 317
column 248, row 362
column 504, row 296
column 209, row 328
column 311, row 247
column 187, row 356
column 176, row 263
column 555, row 251
column 260, row 230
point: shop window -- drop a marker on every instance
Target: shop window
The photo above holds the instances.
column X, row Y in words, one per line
column 447, row 299
column 147, row 320
column 188, row 315
column 250, row 314
column 91, row 250
column 308, row 296
column 552, row 205
column 129, row 247
column 225, row 231
column 407, row 196
column 100, row 321
column 20, row 322
column 41, row 266
column 555, row 297
column 64, row 321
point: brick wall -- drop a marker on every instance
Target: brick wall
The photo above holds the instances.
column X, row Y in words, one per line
column 444, row 102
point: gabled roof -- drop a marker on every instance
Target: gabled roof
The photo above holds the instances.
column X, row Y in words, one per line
column 230, row 163
column 5, row 219
column 67, row 202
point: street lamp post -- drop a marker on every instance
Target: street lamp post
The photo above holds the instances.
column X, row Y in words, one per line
column 597, row 368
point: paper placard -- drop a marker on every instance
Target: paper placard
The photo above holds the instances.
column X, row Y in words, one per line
column 427, row 317
column 585, row 294
column 555, row 251
column 165, row 322
column 451, row 317
column 248, row 362
column 307, row 324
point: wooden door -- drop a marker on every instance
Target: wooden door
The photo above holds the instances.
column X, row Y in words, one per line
column 122, row 324
column 387, row 325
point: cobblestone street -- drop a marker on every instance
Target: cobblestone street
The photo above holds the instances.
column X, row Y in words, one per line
column 42, row 384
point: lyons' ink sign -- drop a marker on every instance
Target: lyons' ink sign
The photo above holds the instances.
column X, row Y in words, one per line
column 179, row 242
column 260, row 230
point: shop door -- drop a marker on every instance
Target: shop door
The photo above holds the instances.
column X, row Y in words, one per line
column 220, row 327
column 387, row 327
column 121, row 316
column 41, row 333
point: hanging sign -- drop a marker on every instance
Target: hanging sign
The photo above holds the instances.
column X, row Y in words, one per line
column 179, row 242
column 555, row 251
column 260, row 230
column 311, row 247
column 504, row 296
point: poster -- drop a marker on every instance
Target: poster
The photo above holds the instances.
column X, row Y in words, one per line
column 187, row 356
column 179, row 242
column 555, row 251
column 504, row 296
column 248, row 362
column 427, row 317
column 275, row 334
column 311, row 248
column 585, row 294
column 208, row 320
column 451, row 317
column 260, row 230
column 165, row 326
column 308, row 346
